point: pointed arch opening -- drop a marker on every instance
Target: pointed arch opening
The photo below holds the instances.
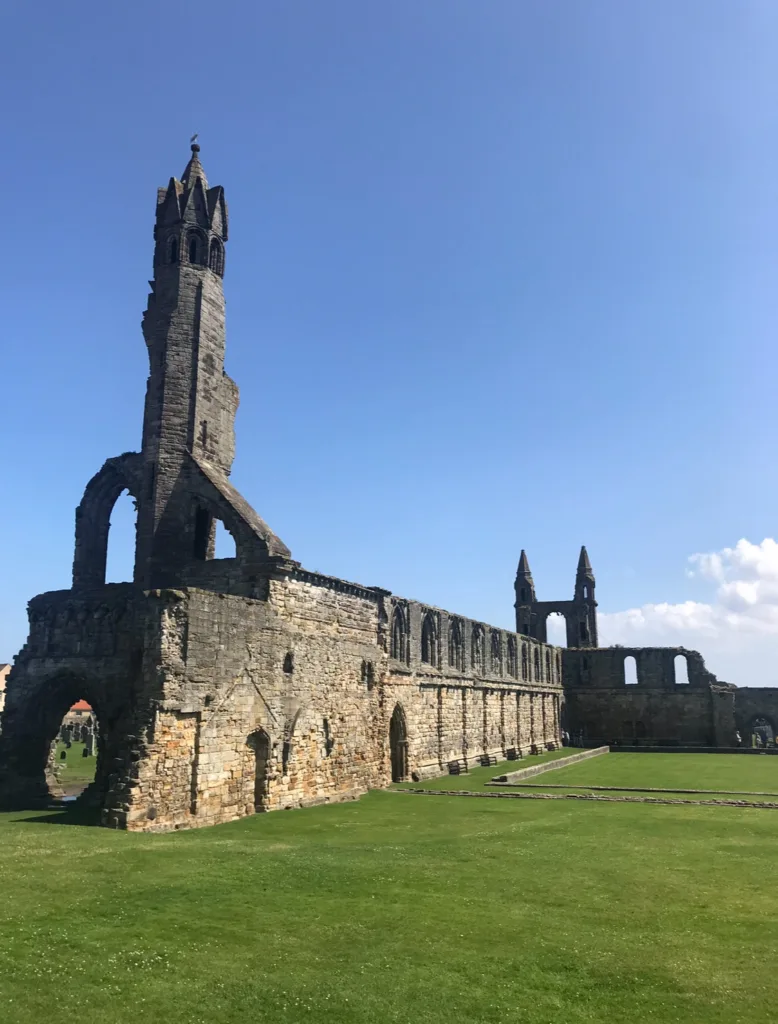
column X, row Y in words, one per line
column 172, row 250
column 513, row 662
column 120, row 549
column 398, row 644
column 216, row 257
column 398, row 744
column 73, row 755
column 194, row 249
column 524, row 662
column 259, row 746
column 456, row 645
column 477, row 651
column 429, row 640
column 496, row 653
column 212, row 539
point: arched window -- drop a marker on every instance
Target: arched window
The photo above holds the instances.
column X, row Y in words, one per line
column 216, row 257
column 548, row 666
column 513, row 664
column 558, row 667
column 583, row 631
column 399, row 637
column 496, row 654
column 536, row 664
column 193, row 249
column 456, row 646
column 477, row 651
column 630, row 671
column 524, row 662
column 429, row 640
column 173, row 251
column 681, row 670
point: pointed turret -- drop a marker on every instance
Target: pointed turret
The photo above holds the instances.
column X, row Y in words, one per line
column 583, row 598
column 194, row 170
column 584, row 565
column 525, row 596
column 525, row 585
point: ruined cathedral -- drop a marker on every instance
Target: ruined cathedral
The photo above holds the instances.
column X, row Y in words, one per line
column 226, row 686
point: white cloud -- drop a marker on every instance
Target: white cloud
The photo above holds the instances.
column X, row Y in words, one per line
column 736, row 632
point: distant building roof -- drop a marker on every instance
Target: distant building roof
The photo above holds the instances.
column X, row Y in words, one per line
column 81, row 705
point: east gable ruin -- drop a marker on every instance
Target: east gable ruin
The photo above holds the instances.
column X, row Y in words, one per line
column 225, row 686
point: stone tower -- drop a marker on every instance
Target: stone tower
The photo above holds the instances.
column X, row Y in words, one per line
column 179, row 479
column 580, row 614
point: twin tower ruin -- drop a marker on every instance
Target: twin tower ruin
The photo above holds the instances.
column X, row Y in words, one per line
column 225, row 686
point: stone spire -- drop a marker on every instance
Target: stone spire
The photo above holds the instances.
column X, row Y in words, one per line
column 584, row 565
column 194, row 170
column 525, row 596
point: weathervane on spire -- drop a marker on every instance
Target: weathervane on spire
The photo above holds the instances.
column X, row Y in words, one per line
column 194, row 137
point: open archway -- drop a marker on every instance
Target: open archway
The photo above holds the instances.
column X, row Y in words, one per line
column 398, row 744
column 56, row 715
column 73, row 755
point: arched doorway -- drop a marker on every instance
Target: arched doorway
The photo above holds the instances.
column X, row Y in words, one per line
column 48, row 726
column 762, row 732
column 398, row 745
column 259, row 744
column 73, row 754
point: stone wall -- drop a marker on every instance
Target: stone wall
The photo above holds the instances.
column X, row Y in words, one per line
column 656, row 709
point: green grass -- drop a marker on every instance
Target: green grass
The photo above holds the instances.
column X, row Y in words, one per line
column 477, row 778
column 399, row 908
column 76, row 769
column 721, row 772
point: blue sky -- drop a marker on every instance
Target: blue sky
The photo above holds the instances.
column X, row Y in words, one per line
column 500, row 275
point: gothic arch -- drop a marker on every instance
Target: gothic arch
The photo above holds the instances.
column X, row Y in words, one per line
column 456, row 645
column 93, row 517
column 398, row 744
column 478, row 654
column 259, row 745
column 429, row 640
column 216, row 257
column 398, row 636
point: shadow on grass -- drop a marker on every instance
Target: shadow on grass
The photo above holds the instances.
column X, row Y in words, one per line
column 65, row 815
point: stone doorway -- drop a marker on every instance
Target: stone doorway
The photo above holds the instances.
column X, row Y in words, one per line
column 259, row 742
column 398, row 745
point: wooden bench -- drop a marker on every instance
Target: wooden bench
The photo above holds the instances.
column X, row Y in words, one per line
column 458, row 767
column 487, row 760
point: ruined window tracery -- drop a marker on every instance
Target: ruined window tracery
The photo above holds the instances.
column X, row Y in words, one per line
column 477, row 651
column 399, row 636
column 456, row 645
column 193, row 249
column 524, row 662
column 536, row 664
column 429, row 640
column 496, row 654
column 548, row 666
column 513, row 665
column 216, row 257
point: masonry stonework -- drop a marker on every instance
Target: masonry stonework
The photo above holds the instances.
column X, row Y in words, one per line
column 234, row 685
column 226, row 686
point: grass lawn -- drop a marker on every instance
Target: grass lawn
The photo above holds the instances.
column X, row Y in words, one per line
column 77, row 771
column 721, row 772
column 398, row 909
